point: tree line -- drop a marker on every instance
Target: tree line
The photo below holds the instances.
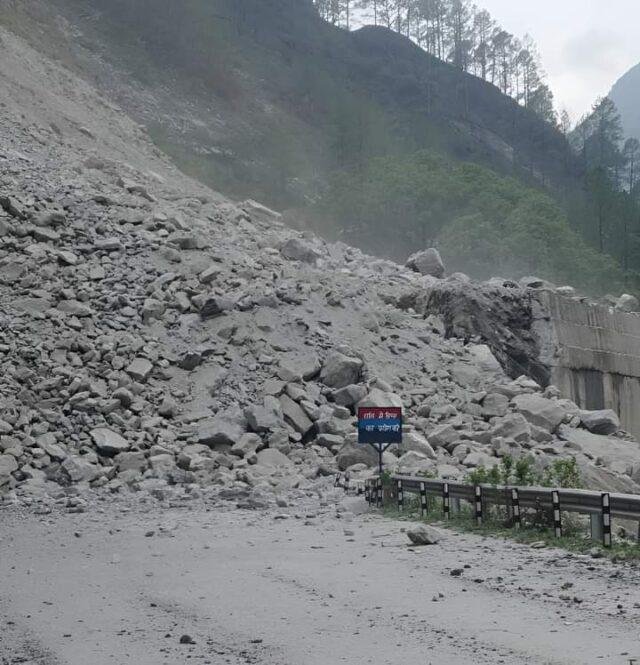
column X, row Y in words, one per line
column 462, row 34
column 612, row 180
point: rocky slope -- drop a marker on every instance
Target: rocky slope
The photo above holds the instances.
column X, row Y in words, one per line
column 154, row 333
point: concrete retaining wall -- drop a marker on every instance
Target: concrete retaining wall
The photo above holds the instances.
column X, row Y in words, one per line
column 594, row 355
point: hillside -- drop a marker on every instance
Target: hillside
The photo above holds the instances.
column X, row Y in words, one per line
column 156, row 334
column 626, row 96
column 266, row 99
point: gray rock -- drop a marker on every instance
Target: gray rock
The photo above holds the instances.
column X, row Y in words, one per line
column 140, row 369
column 273, row 458
column 600, row 422
column 75, row 308
column 226, row 428
column 8, row 465
column 213, row 306
column 294, row 415
column 247, row 446
column 423, row 535
column 78, row 470
column 378, row 397
column 339, row 370
column 152, row 309
column 327, row 440
column 495, row 405
column 109, row 442
column 131, row 461
column 353, row 453
column 513, row 426
column 261, row 419
column 412, row 441
column 540, row 411
column 299, row 250
column 349, row 395
column 427, row 262
column 442, row 436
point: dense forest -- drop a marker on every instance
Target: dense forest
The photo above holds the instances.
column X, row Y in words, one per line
column 611, row 220
column 460, row 33
column 586, row 232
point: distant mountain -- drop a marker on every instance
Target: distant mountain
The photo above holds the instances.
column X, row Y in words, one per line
column 626, row 95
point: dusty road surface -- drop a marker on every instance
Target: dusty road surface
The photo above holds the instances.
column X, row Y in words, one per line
column 302, row 586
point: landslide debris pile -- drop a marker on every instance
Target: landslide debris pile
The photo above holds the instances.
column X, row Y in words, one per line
column 155, row 335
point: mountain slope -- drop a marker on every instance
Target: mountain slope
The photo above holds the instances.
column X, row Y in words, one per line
column 626, row 96
column 264, row 98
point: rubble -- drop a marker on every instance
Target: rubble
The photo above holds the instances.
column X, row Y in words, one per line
column 154, row 335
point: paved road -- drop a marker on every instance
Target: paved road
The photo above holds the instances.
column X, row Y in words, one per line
column 117, row 589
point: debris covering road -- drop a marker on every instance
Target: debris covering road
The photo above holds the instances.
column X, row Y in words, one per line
column 302, row 586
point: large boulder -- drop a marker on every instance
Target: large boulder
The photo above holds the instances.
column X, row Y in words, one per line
column 423, row 535
column 427, row 262
column 262, row 419
column 340, row 370
column 225, row 429
column 353, row 453
column 380, row 398
column 512, row 426
column 442, row 436
column 108, row 442
column 413, row 463
column 350, row 395
column 600, row 422
column 273, row 458
column 540, row 411
column 414, row 442
column 294, row 415
column 495, row 405
column 299, row 250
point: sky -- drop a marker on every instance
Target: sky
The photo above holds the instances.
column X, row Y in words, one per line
column 586, row 45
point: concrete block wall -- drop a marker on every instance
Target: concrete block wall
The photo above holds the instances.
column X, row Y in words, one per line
column 593, row 353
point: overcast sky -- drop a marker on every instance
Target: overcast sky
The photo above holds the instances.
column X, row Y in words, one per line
column 586, row 45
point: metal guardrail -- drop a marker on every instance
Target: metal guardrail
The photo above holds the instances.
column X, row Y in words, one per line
column 601, row 507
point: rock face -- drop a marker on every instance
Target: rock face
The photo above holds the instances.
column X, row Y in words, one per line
column 427, row 262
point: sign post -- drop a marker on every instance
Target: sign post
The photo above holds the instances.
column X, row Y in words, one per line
column 380, row 427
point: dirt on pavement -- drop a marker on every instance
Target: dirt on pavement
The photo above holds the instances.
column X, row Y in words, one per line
column 311, row 585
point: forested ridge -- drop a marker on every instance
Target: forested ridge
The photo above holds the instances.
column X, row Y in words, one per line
column 462, row 34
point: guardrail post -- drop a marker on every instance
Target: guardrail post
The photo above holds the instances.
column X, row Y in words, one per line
column 336, row 482
column 424, row 508
column 445, row 501
column 557, row 517
column 478, row 491
column 379, row 492
column 367, row 491
column 400, row 497
column 606, row 520
column 515, row 508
